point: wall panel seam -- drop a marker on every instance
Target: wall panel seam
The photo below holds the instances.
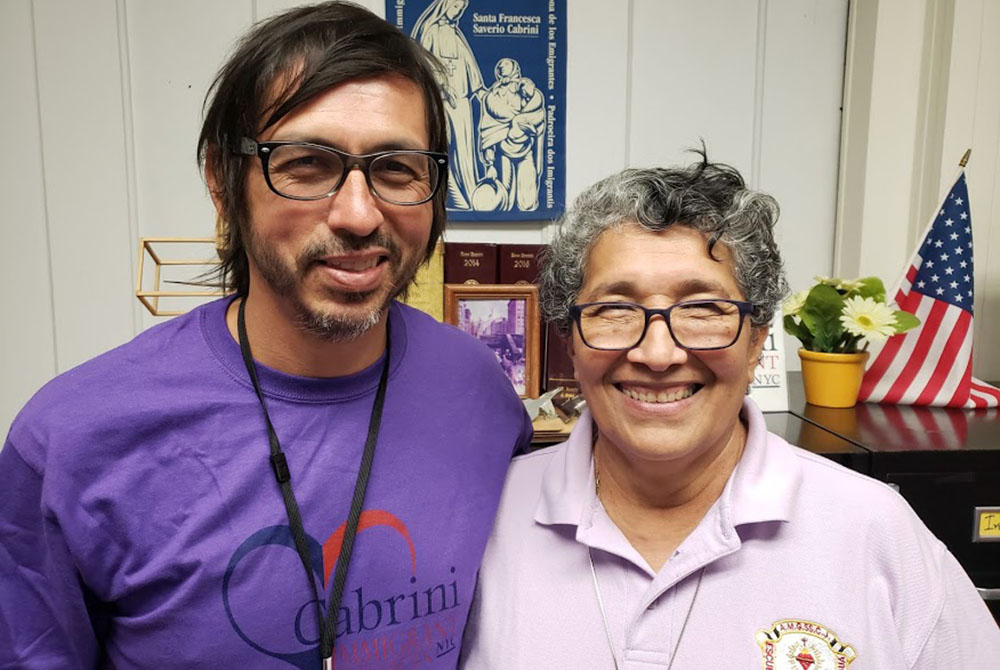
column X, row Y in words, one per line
column 45, row 192
column 848, row 104
column 987, row 213
column 760, row 66
column 980, row 297
column 629, row 53
column 128, row 139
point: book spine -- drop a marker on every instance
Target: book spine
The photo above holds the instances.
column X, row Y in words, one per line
column 519, row 263
column 426, row 293
column 470, row 263
column 558, row 364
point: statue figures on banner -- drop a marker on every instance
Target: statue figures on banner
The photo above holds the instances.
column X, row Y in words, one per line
column 497, row 163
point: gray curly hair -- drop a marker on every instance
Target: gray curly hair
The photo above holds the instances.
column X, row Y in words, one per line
column 711, row 198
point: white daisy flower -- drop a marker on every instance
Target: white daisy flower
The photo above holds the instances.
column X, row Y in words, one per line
column 793, row 303
column 849, row 285
column 867, row 318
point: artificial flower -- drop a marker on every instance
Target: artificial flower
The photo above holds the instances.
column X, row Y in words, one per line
column 793, row 304
column 867, row 318
column 848, row 285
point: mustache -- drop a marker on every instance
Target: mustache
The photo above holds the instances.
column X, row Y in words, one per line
column 342, row 242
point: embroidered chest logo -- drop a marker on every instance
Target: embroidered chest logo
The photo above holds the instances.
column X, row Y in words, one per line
column 803, row 645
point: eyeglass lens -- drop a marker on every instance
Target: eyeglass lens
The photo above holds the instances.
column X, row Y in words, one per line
column 302, row 171
column 695, row 325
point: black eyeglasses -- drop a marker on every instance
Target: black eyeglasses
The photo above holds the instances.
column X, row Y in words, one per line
column 696, row 325
column 306, row 171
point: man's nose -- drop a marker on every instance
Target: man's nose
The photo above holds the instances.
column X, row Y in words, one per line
column 657, row 351
column 354, row 208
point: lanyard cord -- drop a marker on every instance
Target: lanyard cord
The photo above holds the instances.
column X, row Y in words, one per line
column 604, row 614
column 279, row 464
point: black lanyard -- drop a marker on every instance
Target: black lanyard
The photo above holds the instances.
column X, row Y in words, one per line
column 327, row 627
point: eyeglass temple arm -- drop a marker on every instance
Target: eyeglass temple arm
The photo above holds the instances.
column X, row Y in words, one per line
column 247, row 147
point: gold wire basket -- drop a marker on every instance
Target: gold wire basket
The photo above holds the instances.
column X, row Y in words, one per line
column 166, row 255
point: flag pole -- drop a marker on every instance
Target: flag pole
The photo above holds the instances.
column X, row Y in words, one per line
column 961, row 168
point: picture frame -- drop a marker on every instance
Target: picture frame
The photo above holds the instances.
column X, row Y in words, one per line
column 505, row 318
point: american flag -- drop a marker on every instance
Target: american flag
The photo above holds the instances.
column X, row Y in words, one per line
column 932, row 363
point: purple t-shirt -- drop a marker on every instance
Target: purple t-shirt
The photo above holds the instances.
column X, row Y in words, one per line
column 141, row 525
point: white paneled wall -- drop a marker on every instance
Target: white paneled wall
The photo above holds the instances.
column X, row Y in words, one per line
column 28, row 354
column 103, row 103
column 694, row 74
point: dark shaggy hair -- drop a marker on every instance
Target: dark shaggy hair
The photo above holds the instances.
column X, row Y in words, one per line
column 282, row 63
column 708, row 197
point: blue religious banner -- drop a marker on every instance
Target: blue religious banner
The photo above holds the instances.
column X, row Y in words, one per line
column 504, row 85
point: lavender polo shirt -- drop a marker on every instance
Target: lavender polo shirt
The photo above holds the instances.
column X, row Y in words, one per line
column 806, row 566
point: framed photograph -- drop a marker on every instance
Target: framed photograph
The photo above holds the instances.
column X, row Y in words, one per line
column 505, row 318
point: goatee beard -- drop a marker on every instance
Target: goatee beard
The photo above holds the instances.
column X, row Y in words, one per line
column 331, row 328
column 332, row 325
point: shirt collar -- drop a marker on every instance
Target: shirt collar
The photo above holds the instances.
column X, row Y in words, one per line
column 762, row 488
column 568, row 482
column 765, row 483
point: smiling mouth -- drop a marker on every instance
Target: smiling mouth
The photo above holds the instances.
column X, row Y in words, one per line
column 659, row 397
column 354, row 264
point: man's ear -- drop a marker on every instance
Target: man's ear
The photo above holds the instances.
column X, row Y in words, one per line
column 214, row 189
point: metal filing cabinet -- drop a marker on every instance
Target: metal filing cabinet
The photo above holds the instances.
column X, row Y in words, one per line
column 945, row 462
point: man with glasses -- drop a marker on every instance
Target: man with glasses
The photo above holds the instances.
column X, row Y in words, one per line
column 304, row 473
column 672, row 530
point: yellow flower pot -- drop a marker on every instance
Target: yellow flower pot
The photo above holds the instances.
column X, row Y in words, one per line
column 832, row 380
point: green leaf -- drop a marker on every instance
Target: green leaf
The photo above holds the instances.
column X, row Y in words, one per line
column 905, row 321
column 798, row 330
column 821, row 315
column 850, row 345
column 872, row 287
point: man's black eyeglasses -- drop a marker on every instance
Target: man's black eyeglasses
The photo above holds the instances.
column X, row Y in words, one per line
column 307, row 171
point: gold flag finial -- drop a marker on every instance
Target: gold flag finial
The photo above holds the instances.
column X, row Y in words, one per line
column 965, row 158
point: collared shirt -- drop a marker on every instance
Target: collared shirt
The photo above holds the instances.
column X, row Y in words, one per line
column 799, row 561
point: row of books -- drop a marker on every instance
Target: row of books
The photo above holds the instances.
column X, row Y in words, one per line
column 474, row 263
column 490, row 264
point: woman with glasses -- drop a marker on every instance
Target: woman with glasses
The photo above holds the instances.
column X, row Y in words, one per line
column 671, row 529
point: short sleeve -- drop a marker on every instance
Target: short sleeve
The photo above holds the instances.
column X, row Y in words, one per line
column 965, row 634
column 44, row 619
